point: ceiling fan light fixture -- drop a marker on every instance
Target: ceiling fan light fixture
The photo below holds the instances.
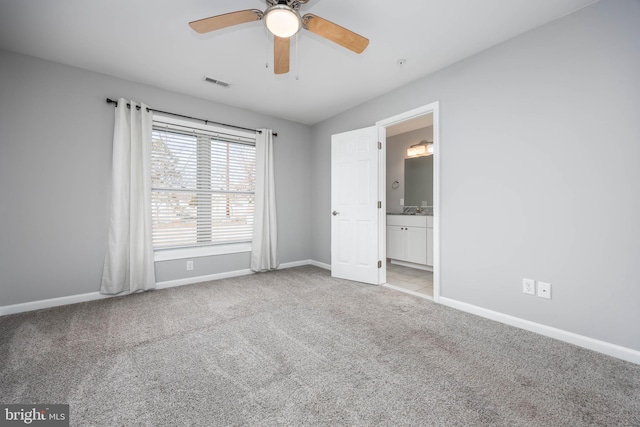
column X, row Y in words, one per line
column 282, row 20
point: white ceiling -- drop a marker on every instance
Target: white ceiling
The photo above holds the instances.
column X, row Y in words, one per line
column 149, row 41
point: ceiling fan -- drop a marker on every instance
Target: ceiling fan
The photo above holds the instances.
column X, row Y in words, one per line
column 283, row 20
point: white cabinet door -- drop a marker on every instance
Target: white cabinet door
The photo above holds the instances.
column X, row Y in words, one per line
column 396, row 242
column 407, row 244
column 416, row 245
column 430, row 246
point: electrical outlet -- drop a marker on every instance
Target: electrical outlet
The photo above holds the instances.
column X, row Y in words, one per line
column 529, row 286
column 190, row 265
column 544, row 290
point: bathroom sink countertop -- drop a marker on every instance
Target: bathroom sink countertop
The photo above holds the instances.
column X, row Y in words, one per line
column 410, row 214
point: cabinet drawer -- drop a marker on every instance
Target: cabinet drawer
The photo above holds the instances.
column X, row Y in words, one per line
column 407, row 220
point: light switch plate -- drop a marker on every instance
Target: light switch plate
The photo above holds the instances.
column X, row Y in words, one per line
column 544, row 290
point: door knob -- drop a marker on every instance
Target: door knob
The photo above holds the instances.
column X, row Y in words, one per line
column 334, row 213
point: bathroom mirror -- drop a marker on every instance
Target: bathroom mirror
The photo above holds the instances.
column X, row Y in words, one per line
column 418, row 179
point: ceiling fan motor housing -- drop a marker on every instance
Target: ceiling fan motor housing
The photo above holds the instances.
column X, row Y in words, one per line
column 295, row 4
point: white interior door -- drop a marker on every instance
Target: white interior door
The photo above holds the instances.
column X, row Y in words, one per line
column 356, row 213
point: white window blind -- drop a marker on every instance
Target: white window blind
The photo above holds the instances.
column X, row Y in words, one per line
column 203, row 187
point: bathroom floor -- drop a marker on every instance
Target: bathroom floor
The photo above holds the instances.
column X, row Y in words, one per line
column 412, row 279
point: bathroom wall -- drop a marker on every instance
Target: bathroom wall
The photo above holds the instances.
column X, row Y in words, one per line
column 396, row 153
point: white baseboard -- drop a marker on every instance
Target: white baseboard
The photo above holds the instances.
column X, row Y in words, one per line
column 609, row 349
column 320, row 264
column 92, row 296
column 294, row 264
column 225, row 275
column 51, row 302
column 199, row 279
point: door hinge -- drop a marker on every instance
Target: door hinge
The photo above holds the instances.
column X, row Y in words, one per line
column 379, row 205
column 379, row 264
column 379, row 145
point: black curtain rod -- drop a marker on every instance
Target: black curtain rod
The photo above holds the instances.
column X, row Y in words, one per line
column 111, row 101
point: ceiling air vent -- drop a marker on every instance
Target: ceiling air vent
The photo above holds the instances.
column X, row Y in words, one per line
column 216, row 81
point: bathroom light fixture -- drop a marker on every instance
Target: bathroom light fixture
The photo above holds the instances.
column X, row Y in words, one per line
column 420, row 149
column 416, row 150
column 282, row 20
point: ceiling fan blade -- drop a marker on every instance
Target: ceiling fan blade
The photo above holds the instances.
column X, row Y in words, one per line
column 335, row 33
column 226, row 20
column 281, row 52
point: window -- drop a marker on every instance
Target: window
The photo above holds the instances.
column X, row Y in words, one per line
column 203, row 185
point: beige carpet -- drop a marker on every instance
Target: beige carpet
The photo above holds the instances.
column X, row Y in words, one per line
column 296, row 347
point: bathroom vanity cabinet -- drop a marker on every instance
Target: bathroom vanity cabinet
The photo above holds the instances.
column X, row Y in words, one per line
column 430, row 240
column 408, row 239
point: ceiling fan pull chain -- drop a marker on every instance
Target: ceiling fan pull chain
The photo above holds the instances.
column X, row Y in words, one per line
column 267, row 50
column 297, row 61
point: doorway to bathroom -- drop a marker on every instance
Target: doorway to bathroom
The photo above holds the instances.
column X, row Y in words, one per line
column 412, row 201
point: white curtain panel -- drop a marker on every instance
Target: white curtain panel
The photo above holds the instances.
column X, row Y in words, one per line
column 264, row 247
column 128, row 263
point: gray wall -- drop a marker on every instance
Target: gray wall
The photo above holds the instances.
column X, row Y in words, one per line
column 396, row 153
column 540, row 144
column 55, row 156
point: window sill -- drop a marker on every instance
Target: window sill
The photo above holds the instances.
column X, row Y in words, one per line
column 171, row 254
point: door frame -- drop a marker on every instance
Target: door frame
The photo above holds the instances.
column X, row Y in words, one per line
column 433, row 108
